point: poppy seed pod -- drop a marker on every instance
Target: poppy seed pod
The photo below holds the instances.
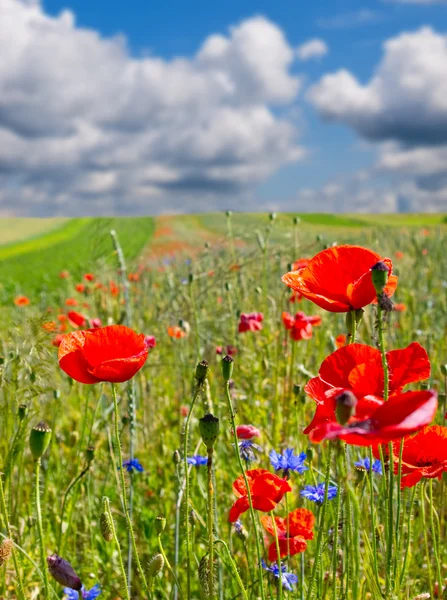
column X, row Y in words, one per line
column 227, row 367
column 39, row 439
column 23, row 409
column 202, row 371
column 156, row 565
column 62, row 571
column 160, row 524
column 90, row 454
column 209, row 430
column 379, row 275
column 346, row 403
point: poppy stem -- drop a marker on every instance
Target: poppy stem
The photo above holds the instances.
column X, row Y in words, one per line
column 40, row 530
column 247, row 487
column 373, row 518
column 210, row 524
column 427, row 549
column 186, row 470
column 123, row 492
column 168, row 566
column 234, row 569
column 278, row 554
column 409, row 539
column 111, row 522
column 337, row 520
column 4, row 512
column 398, row 509
column 435, row 542
column 319, row 549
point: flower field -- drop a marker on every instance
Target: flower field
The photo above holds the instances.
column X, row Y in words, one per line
column 224, row 407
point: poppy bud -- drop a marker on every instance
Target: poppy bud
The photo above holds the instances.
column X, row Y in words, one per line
column 176, row 457
column 160, row 524
column 155, row 565
column 190, row 277
column 272, row 217
column 90, row 454
column 106, row 526
column 310, row 454
column 209, row 430
column 296, row 389
column 202, row 371
column 73, row 439
column 296, row 220
column 39, row 439
column 23, row 409
column 228, row 213
column 63, row 572
column 379, row 276
column 5, row 550
column 227, row 367
column 228, row 286
column 345, row 406
column 444, row 370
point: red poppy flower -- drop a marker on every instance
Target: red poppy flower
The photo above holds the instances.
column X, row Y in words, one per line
column 71, row 302
column 49, row 326
column 57, row 340
column 399, row 307
column 21, row 301
column 114, row 353
column 339, row 279
column 246, row 432
column 64, row 274
column 358, row 368
column 296, row 297
column 340, row 340
column 77, row 319
column 89, row 277
column 402, row 415
column 293, row 531
column 266, row 491
column 150, row 341
column 133, row 277
column 80, row 287
column 95, row 322
column 176, row 332
column 114, row 289
column 301, row 263
column 250, row 322
column 424, row 455
column 300, row 325
column 398, row 254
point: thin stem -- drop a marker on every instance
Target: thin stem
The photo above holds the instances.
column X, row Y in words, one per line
column 234, row 569
column 68, row 490
column 435, row 539
column 123, row 491
column 278, row 554
column 427, row 549
column 9, row 532
column 319, row 549
column 373, row 517
column 185, row 466
column 40, row 531
column 335, row 547
column 210, row 524
column 247, row 487
column 118, row 547
column 407, row 549
column 168, row 566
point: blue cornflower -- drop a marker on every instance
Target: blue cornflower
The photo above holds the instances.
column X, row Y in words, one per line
column 364, row 464
column 246, row 448
column 91, row 594
column 288, row 461
column 132, row 464
column 315, row 493
column 288, row 580
column 197, row 460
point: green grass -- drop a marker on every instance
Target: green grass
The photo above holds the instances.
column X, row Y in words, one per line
column 79, row 246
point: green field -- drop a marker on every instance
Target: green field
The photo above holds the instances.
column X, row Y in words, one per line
column 193, row 278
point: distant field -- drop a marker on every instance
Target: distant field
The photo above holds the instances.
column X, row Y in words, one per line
column 17, row 230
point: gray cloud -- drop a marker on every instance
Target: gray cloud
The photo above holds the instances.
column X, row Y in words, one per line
column 85, row 128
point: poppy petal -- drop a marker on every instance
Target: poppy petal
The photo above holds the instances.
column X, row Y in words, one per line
column 71, row 357
column 287, row 547
column 407, row 365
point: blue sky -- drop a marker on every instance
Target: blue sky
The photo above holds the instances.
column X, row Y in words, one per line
column 320, row 146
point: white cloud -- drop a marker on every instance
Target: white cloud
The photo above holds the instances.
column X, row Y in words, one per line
column 405, row 100
column 87, row 128
column 315, row 48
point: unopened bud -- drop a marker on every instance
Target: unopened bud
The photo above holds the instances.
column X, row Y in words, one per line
column 63, row 572
column 227, row 367
column 155, row 565
column 345, row 406
column 379, row 276
column 6, row 548
column 23, row 409
column 160, row 524
column 106, row 526
column 202, row 371
column 209, row 430
column 296, row 389
column 90, row 454
column 39, row 439
column 296, row 220
column 176, row 458
column 272, row 216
